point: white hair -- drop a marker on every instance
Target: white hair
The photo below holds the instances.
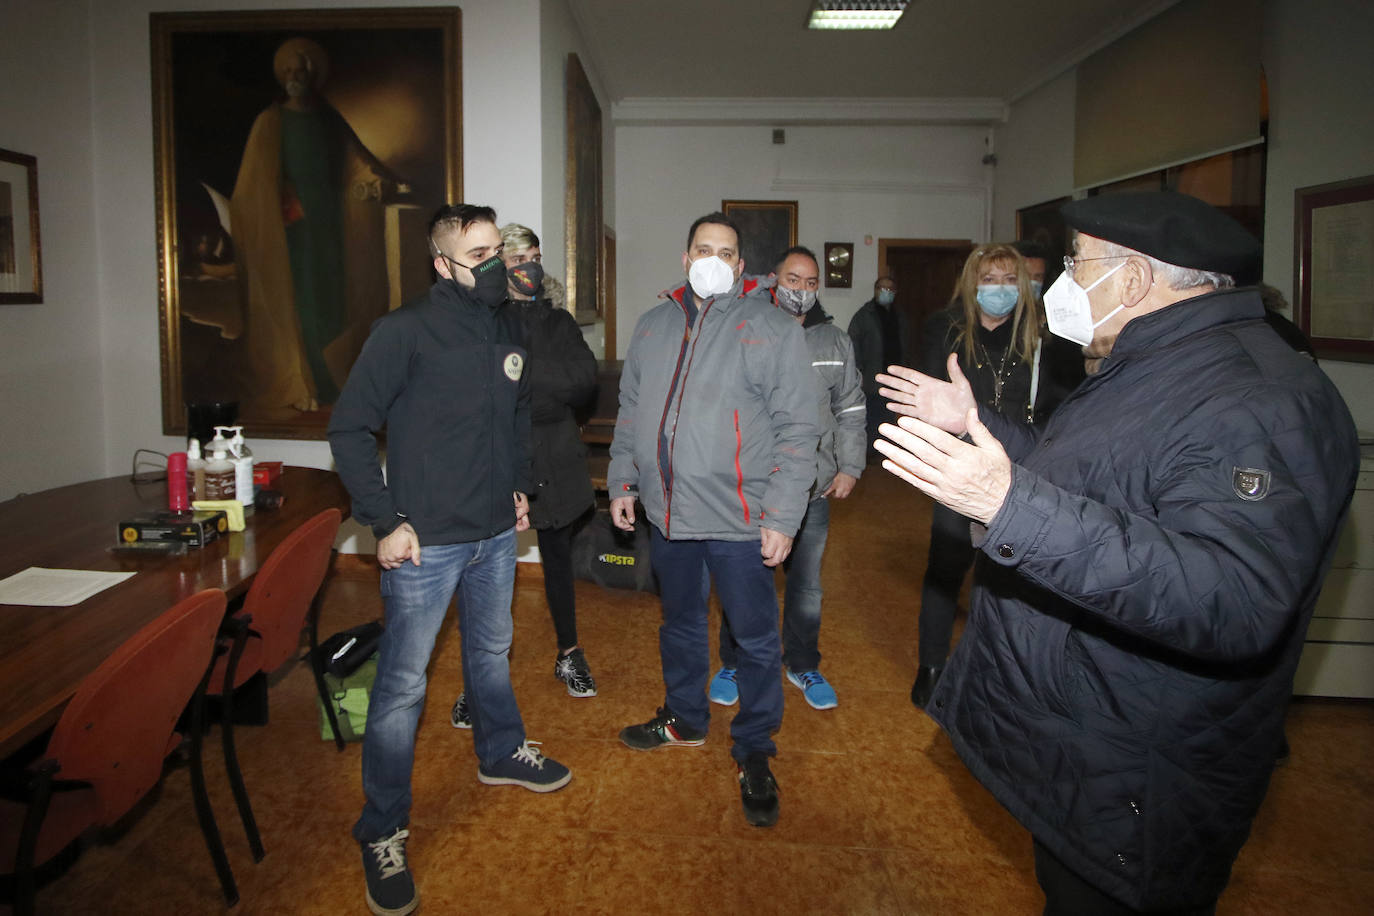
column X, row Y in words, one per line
column 1171, row 275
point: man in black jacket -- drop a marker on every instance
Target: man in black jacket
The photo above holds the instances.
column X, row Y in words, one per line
column 1149, row 560
column 445, row 376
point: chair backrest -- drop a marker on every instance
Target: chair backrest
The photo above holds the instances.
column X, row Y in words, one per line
column 115, row 732
column 286, row 584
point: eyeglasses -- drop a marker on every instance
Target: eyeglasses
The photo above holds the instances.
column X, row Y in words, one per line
column 1070, row 261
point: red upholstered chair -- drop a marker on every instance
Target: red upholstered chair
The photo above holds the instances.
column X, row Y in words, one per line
column 108, row 749
column 267, row 631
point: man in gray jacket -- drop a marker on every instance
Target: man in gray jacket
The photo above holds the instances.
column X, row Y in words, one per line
column 839, row 462
column 717, row 436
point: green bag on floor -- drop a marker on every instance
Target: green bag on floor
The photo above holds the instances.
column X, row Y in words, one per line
column 350, row 697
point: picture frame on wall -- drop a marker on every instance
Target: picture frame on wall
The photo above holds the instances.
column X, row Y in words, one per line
column 768, row 227
column 21, row 260
column 582, row 207
column 1333, row 242
column 1042, row 224
column 299, row 156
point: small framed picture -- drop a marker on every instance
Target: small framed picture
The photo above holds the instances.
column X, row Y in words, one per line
column 21, row 262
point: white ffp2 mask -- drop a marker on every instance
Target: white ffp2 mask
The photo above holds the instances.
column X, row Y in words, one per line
column 710, row 276
column 1068, row 311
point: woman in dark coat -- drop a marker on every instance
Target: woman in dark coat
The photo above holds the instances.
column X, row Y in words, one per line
column 562, row 373
column 994, row 327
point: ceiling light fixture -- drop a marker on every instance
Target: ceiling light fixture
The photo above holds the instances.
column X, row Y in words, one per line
column 877, row 14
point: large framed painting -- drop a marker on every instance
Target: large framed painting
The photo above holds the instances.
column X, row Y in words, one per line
column 299, row 155
column 583, row 228
column 21, row 263
column 769, row 228
column 1333, row 241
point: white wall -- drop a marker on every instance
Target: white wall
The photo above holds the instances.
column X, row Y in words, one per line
column 1034, row 152
column 51, row 410
column 1319, row 131
column 887, row 182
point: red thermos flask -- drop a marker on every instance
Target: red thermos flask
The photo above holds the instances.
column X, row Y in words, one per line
column 177, row 498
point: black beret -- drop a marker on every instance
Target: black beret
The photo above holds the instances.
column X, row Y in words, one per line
column 1172, row 227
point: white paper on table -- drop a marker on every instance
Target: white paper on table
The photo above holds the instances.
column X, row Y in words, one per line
column 56, row 587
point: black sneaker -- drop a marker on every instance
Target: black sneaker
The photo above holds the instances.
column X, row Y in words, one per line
column 390, row 888
column 758, row 791
column 662, row 730
column 526, row 767
column 460, row 717
column 572, row 670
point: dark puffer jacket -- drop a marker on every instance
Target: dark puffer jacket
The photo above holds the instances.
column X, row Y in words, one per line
column 1143, row 594
column 562, row 373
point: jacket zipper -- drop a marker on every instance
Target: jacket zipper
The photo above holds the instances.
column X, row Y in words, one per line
column 739, row 471
column 687, row 338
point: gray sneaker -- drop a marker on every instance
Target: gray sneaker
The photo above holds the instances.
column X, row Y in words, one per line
column 460, row 717
column 390, row 888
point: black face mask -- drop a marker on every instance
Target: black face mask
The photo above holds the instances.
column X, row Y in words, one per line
column 527, row 278
column 491, row 281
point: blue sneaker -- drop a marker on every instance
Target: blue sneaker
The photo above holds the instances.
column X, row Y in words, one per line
column 528, row 768
column 817, row 690
column 723, row 689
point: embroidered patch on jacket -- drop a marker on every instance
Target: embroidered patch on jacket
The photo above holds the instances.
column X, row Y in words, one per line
column 1250, row 483
column 513, row 366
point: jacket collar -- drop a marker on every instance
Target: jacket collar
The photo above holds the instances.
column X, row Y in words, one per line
column 743, row 287
column 816, row 315
column 1183, row 319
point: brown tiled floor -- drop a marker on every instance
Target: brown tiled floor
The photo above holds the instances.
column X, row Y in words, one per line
column 878, row 814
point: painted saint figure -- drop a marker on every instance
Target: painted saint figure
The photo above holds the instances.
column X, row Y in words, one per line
column 308, row 224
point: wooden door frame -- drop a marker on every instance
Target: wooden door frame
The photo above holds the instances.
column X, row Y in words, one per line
column 885, row 244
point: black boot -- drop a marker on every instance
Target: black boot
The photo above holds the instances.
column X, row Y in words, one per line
column 926, row 679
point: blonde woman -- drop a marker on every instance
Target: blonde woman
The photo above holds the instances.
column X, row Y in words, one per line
column 994, row 327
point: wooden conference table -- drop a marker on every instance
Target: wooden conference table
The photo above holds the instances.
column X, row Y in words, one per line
column 45, row 652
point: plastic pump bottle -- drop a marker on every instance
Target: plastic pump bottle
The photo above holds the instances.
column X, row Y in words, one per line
column 242, row 459
column 195, row 469
column 219, row 470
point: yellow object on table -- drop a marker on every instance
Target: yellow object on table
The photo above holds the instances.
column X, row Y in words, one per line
column 232, row 509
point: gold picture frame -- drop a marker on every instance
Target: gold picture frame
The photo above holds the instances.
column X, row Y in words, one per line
column 582, row 207
column 21, row 260
column 299, row 155
column 768, row 228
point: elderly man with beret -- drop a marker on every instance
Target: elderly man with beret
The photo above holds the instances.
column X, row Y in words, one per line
column 1149, row 560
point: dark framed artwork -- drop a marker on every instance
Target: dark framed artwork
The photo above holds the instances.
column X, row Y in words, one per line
column 1042, row 224
column 21, row 262
column 299, row 155
column 839, row 265
column 1333, row 242
column 582, row 196
column 769, row 228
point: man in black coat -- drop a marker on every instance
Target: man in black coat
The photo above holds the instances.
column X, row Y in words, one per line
column 1149, row 560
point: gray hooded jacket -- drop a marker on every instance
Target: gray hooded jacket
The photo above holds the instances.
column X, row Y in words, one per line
column 717, row 429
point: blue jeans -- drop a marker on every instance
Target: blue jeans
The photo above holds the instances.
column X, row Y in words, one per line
column 801, row 608
column 417, row 599
column 745, row 587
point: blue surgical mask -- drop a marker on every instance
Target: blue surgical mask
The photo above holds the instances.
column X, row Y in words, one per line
column 997, row 299
column 886, row 296
column 1037, row 287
